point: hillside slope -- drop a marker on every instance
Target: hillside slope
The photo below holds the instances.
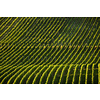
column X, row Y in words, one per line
column 49, row 50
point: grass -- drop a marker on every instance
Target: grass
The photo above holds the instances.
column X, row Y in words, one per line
column 49, row 50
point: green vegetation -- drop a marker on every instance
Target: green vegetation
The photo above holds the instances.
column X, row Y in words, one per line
column 49, row 50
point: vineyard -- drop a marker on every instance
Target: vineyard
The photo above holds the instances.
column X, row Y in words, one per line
column 49, row 50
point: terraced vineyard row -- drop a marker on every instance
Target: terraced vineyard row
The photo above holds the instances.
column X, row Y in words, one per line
column 49, row 50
